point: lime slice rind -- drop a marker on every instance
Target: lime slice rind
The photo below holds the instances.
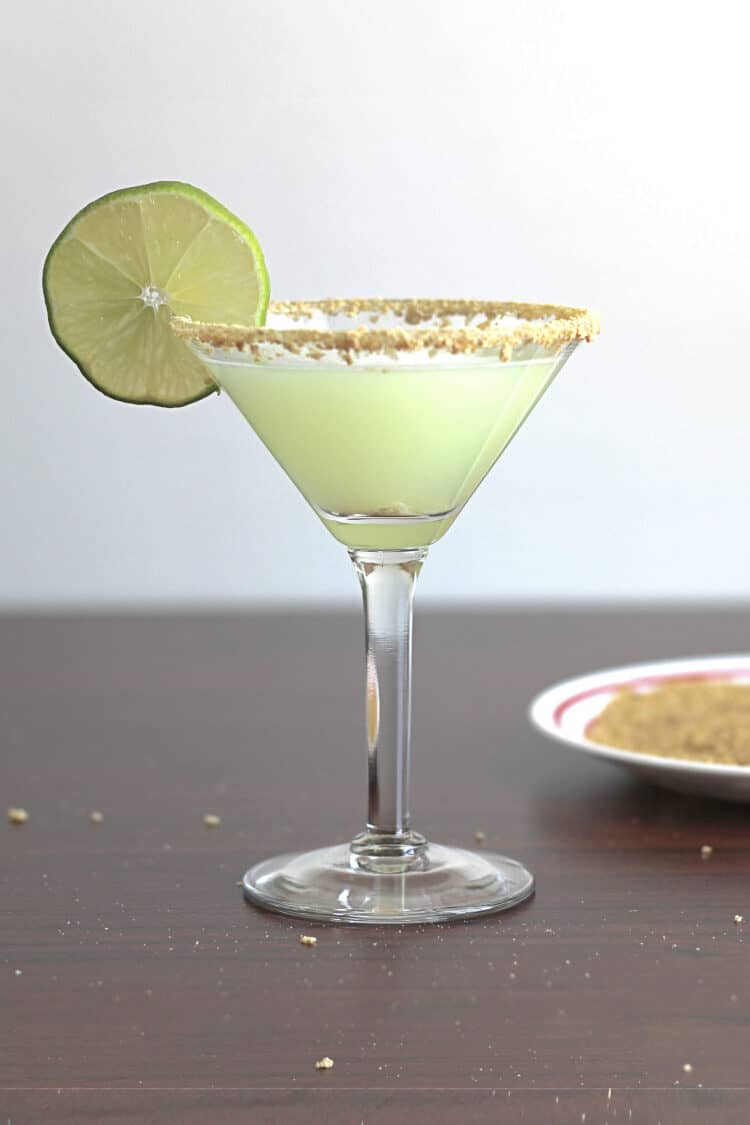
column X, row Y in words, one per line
column 138, row 241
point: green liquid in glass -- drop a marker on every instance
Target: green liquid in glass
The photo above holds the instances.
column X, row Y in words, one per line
column 386, row 443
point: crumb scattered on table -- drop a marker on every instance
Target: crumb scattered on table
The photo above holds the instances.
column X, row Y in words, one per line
column 738, row 919
column 325, row 1063
column 307, row 939
column 688, row 1068
column 480, row 836
column 17, row 816
column 96, row 817
column 706, row 851
column 211, row 820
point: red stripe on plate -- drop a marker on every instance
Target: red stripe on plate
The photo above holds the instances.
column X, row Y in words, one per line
column 647, row 681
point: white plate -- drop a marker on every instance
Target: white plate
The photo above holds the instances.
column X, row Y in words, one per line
column 566, row 710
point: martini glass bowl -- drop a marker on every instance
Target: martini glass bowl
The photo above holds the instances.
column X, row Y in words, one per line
column 387, row 414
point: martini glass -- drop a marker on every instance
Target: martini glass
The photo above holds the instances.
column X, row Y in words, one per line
column 387, row 414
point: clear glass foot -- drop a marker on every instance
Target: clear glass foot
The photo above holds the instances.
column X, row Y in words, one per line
column 427, row 883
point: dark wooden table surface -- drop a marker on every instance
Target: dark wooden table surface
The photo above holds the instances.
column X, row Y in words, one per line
column 136, row 985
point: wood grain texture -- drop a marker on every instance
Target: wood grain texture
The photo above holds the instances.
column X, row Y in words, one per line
column 135, row 984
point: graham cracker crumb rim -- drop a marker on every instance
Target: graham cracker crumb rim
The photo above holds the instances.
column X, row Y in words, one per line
column 549, row 326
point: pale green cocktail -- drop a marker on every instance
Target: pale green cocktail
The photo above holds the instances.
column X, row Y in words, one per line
column 387, row 415
column 387, row 457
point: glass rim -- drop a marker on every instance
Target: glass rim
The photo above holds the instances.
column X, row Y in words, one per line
column 426, row 324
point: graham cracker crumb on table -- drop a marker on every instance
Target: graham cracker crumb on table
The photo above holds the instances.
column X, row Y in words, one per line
column 706, row 851
column 96, row 817
column 17, row 816
column 307, row 939
column 211, row 820
column 325, row 1063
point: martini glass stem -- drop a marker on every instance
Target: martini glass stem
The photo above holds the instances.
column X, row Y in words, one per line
column 387, row 579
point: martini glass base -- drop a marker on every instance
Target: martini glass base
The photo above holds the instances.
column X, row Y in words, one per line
column 334, row 885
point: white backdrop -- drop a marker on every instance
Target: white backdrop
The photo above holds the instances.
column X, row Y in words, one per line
column 586, row 153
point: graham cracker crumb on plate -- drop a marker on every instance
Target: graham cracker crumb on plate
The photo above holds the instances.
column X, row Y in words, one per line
column 325, row 1063
column 17, row 816
column 696, row 720
column 480, row 836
